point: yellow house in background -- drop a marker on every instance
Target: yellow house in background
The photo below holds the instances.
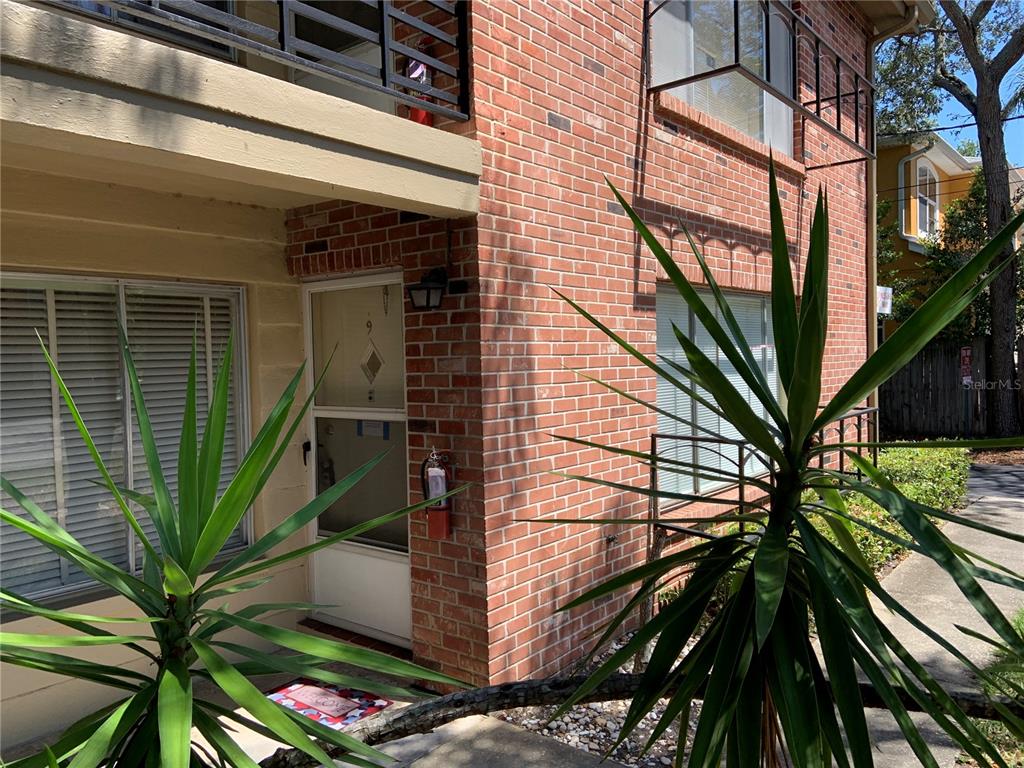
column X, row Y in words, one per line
column 922, row 175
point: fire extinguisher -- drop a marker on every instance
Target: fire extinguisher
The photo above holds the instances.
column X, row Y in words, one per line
column 424, row 75
column 438, row 475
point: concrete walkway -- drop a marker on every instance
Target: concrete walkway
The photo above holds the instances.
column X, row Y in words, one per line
column 485, row 742
column 471, row 742
column 996, row 496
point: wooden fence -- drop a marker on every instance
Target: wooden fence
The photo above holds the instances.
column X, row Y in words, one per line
column 940, row 393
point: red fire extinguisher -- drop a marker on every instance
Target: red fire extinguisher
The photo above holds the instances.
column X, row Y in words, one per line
column 424, row 75
column 438, row 475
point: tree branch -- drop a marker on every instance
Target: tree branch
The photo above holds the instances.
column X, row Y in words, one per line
column 1015, row 101
column 394, row 724
column 1008, row 55
column 980, row 12
column 956, row 88
column 966, row 32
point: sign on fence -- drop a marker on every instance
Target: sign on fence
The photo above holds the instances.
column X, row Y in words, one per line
column 965, row 367
column 883, row 299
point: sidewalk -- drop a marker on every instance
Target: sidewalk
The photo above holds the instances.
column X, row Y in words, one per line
column 996, row 498
column 485, row 742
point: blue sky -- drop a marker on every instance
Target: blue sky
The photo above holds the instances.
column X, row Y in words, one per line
column 954, row 114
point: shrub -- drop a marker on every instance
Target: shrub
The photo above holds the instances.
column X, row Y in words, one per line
column 755, row 667
column 935, row 477
column 181, row 614
column 1008, row 669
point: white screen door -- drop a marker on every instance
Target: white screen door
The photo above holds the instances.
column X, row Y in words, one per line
column 359, row 413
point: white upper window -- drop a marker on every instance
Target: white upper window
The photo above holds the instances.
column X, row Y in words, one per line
column 689, row 37
column 927, row 200
column 41, row 452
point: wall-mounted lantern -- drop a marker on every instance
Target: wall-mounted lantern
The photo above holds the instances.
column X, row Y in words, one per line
column 427, row 293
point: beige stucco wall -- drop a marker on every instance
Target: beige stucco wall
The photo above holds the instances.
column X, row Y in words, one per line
column 59, row 224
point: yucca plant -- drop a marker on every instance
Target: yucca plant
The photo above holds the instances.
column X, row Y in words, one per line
column 181, row 600
column 765, row 688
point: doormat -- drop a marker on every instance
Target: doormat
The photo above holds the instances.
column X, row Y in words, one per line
column 329, row 705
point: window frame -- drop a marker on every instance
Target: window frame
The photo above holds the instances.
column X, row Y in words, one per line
column 75, row 594
column 926, row 203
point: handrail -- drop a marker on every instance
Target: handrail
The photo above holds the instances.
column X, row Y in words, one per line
column 662, row 531
column 863, row 418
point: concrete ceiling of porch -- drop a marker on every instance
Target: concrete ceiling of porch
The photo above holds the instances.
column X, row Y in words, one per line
column 168, row 180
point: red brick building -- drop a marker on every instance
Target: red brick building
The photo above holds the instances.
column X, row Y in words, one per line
column 559, row 103
column 277, row 176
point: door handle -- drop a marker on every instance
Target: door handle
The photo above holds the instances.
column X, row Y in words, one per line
column 306, row 448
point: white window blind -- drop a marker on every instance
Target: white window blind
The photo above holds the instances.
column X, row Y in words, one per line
column 753, row 315
column 41, row 451
column 690, row 37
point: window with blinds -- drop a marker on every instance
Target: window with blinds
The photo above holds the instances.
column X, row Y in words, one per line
column 41, row 451
column 754, row 317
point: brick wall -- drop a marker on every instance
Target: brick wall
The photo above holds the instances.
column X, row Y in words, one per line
column 559, row 105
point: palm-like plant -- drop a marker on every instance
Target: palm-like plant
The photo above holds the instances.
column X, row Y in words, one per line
column 764, row 685
column 180, row 597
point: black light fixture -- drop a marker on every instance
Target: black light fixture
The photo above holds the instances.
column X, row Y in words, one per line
column 427, row 293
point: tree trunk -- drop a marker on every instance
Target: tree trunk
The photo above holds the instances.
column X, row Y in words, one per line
column 393, row 724
column 1005, row 398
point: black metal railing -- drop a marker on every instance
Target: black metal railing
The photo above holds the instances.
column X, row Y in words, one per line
column 721, row 488
column 747, row 466
column 319, row 38
column 858, row 425
column 823, row 86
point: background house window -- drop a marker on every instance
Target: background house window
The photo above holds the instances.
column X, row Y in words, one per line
column 41, row 451
column 754, row 316
column 927, row 200
column 689, row 37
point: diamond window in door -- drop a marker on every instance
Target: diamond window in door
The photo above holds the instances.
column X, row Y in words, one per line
column 372, row 361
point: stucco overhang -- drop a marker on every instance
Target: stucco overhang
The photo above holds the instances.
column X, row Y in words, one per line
column 939, row 151
column 98, row 103
column 886, row 14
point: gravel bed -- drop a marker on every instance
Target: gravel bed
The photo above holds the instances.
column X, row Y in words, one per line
column 595, row 727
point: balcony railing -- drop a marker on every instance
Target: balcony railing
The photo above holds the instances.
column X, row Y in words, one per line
column 413, row 52
column 736, row 489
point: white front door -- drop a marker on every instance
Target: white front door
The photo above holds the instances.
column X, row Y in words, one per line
column 357, row 414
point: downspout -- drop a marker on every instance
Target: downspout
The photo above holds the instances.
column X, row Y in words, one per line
column 909, row 21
